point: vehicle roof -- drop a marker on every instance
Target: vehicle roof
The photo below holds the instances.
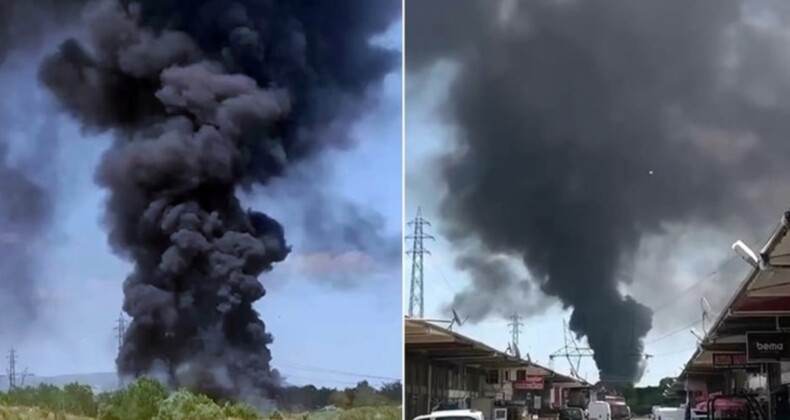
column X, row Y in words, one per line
column 449, row 413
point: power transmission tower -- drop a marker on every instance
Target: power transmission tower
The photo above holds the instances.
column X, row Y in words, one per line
column 515, row 325
column 120, row 330
column 515, row 328
column 571, row 351
column 11, row 369
column 416, row 301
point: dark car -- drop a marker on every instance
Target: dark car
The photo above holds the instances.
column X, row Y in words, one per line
column 571, row 414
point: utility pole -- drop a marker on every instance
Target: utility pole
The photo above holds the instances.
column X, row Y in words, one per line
column 120, row 329
column 416, row 294
column 11, row 369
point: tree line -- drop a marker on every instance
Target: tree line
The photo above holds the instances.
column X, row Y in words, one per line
column 643, row 399
column 306, row 398
column 147, row 399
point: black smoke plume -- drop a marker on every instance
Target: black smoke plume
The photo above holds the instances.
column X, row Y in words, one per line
column 585, row 126
column 496, row 290
column 25, row 24
column 204, row 97
column 344, row 233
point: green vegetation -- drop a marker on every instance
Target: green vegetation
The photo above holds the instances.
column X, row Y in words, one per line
column 642, row 399
column 147, row 399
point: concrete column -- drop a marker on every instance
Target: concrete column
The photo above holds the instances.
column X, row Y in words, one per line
column 774, row 380
column 774, row 371
column 739, row 381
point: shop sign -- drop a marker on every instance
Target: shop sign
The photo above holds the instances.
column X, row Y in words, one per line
column 532, row 382
column 766, row 347
column 731, row 361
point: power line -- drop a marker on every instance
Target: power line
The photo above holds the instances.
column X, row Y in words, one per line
column 670, row 334
column 450, row 287
column 417, row 291
column 313, row 380
column 668, row 304
column 696, row 284
column 338, row 372
column 710, row 275
column 674, row 352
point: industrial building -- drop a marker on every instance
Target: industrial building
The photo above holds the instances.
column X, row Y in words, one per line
column 444, row 367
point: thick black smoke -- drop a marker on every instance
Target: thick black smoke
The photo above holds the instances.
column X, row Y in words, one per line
column 205, row 97
column 25, row 24
column 349, row 227
column 339, row 231
column 585, row 126
column 496, row 290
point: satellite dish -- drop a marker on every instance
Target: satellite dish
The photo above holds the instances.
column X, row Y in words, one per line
column 516, row 351
column 457, row 319
column 705, row 306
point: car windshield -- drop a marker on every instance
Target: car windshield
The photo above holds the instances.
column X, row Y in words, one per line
column 571, row 413
column 619, row 411
column 447, row 406
column 455, row 418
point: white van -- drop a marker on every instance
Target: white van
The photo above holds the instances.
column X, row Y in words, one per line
column 453, row 415
column 668, row 413
column 599, row 410
column 603, row 410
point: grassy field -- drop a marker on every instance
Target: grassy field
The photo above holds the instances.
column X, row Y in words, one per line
column 25, row 413
column 378, row 413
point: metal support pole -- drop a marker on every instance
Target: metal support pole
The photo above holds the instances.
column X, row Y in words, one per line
column 430, row 387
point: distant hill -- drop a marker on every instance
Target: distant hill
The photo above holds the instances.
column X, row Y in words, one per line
column 100, row 381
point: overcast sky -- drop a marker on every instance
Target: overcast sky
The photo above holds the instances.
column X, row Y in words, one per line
column 699, row 262
column 323, row 334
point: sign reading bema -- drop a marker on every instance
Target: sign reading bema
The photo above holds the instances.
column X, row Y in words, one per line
column 767, row 347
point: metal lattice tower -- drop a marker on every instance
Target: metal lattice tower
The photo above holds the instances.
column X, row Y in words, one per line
column 12, row 372
column 120, row 329
column 515, row 325
column 11, row 369
column 417, row 251
column 571, row 352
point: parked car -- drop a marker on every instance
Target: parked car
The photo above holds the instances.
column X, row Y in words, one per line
column 571, row 413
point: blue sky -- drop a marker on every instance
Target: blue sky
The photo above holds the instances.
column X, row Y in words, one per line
column 322, row 335
column 693, row 264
